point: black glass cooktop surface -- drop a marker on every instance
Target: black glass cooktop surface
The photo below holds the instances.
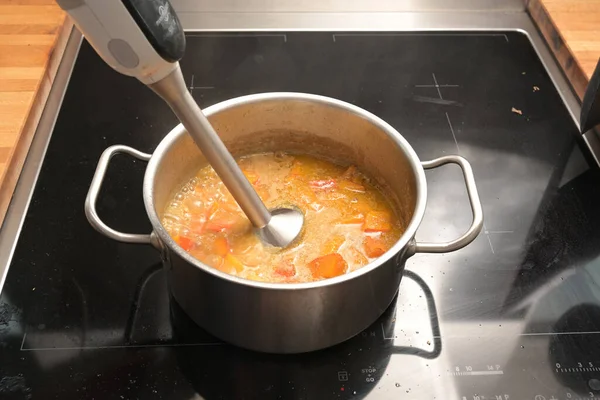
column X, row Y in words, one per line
column 514, row 315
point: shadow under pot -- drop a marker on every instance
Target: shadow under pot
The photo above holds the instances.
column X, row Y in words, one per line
column 233, row 373
column 295, row 317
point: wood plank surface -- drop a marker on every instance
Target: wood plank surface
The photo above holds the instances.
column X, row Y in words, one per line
column 33, row 35
column 572, row 30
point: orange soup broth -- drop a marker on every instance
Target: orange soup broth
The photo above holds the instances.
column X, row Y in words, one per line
column 348, row 221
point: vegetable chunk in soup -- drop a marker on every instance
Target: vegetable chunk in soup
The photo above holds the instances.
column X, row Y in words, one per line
column 348, row 222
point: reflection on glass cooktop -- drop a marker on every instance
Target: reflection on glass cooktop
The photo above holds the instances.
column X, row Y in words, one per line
column 515, row 315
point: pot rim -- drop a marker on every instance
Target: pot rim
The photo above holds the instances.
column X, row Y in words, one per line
column 397, row 250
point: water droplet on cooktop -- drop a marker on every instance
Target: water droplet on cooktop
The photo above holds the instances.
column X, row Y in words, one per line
column 594, row 384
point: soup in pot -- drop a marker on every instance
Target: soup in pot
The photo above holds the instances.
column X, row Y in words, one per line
column 348, row 221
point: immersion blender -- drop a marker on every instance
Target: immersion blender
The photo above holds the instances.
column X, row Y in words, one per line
column 144, row 39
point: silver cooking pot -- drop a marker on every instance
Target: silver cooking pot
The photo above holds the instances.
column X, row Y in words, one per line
column 298, row 317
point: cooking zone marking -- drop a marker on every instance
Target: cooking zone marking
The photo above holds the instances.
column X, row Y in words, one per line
column 192, row 87
column 437, row 86
column 488, row 233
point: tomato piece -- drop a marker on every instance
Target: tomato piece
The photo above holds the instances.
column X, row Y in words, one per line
column 285, row 268
column 328, row 266
column 322, row 184
column 184, row 242
column 352, row 186
column 377, row 221
column 333, row 244
column 231, row 262
column 357, row 218
column 374, row 247
column 221, row 246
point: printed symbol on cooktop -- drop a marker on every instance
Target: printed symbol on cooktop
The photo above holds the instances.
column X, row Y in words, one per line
column 192, row 87
column 343, row 376
column 437, row 85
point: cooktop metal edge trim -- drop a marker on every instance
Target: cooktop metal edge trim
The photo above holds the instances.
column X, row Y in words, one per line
column 228, row 22
column 19, row 204
column 355, row 6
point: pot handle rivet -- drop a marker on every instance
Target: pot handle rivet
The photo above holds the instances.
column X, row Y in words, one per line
column 94, row 190
column 476, row 225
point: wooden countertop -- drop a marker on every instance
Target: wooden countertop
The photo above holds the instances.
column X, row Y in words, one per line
column 33, row 34
column 572, row 30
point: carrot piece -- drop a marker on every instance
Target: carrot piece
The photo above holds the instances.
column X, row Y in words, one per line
column 328, row 266
column 377, row 221
column 374, row 247
column 285, row 268
column 357, row 218
column 333, row 244
column 184, row 242
column 221, row 246
column 322, row 184
column 352, row 186
column 231, row 262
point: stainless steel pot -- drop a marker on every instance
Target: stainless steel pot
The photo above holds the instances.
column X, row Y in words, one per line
column 300, row 317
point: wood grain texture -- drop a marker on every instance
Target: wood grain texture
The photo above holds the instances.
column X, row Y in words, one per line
column 33, row 34
column 572, row 30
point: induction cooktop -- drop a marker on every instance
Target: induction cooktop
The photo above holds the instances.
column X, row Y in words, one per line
column 514, row 315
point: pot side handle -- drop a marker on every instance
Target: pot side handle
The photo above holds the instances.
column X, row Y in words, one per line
column 476, row 225
column 94, row 190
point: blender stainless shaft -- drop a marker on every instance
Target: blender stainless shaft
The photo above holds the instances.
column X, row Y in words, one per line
column 173, row 90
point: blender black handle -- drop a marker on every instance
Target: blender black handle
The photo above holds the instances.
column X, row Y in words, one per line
column 161, row 26
column 590, row 108
column 139, row 38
